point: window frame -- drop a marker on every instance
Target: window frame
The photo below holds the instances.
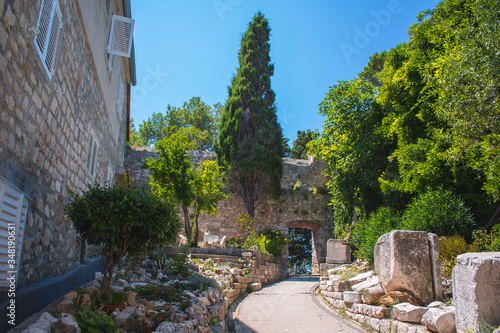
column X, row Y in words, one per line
column 48, row 34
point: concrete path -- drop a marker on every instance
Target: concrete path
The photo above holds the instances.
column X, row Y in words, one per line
column 289, row 306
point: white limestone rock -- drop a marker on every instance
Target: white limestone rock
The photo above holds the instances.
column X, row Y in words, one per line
column 368, row 283
column 476, row 290
column 440, row 320
column 408, row 260
column 66, row 324
column 408, row 313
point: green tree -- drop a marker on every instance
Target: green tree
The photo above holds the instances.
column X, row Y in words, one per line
column 172, row 173
column 135, row 137
column 354, row 151
column 286, row 148
column 209, row 190
column 250, row 144
column 122, row 219
column 299, row 149
column 196, row 118
column 371, row 71
column 469, row 96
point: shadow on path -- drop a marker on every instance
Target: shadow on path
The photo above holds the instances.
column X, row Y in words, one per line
column 289, row 306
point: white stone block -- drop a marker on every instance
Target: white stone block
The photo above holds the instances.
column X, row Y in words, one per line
column 476, row 290
column 353, row 297
column 440, row 320
column 408, row 313
column 408, row 260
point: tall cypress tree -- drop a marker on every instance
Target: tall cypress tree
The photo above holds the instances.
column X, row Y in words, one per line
column 250, row 139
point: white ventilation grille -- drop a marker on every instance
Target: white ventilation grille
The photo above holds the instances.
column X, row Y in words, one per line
column 90, row 164
column 48, row 31
column 120, row 39
column 13, row 213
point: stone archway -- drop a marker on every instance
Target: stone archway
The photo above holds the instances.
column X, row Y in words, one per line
column 319, row 240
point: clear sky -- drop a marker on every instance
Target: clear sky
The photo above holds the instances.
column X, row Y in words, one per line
column 187, row 48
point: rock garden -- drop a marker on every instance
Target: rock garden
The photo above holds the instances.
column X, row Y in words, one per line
column 154, row 294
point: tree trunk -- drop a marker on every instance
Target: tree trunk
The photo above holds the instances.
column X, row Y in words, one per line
column 250, row 206
column 187, row 227
column 195, row 230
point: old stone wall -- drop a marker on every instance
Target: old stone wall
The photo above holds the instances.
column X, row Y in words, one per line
column 303, row 203
column 45, row 127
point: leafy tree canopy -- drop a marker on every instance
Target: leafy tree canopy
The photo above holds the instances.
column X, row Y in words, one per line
column 195, row 118
column 299, row 149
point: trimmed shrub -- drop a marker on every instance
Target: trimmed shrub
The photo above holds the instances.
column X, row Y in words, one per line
column 439, row 212
column 367, row 231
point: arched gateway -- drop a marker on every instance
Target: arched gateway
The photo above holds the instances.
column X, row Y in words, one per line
column 303, row 203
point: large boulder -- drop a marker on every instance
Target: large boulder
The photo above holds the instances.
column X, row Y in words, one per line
column 409, row 261
column 476, row 290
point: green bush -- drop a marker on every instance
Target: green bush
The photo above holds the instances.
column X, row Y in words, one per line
column 90, row 322
column 439, row 212
column 449, row 248
column 487, row 241
column 367, row 231
column 273, row 242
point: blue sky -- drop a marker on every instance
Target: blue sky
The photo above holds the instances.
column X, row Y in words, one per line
column 187, row 48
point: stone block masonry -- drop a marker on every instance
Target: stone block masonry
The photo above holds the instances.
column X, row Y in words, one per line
column 303, row 203
column 45, row 127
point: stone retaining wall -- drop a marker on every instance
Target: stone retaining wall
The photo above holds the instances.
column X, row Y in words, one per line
column 265, row 269
column 377, row 318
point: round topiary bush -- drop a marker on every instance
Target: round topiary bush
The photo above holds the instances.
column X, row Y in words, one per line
column 367, row 231
column 123, row 219
column 439, row 212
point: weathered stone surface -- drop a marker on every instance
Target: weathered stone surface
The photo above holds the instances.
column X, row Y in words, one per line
column 440, row 320
column 255, row 286
column 353, row 297
column 66, row 324
column 120, row 318
column 372, row 295
column 368, row 283
column 476, row 290
column 393, row 297
column 217, row 311
column 42, row 325
column 406, row 261
column 408, row 312
column 338, row 251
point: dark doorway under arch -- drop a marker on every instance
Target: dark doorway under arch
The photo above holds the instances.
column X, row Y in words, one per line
column 300, row 250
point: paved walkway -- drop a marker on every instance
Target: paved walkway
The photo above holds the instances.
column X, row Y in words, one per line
column 289, row 306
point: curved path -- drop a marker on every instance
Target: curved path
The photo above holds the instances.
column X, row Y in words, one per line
column 289, row 306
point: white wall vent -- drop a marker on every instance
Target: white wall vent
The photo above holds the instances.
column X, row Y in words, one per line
column 13, row 214
column 120, row 39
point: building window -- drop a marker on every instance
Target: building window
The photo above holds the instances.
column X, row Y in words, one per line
column 47, row 35
column 91, row 163
column 13, row 213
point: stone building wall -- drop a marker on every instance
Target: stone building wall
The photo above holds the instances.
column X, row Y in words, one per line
column 305, row 207
column 45, row 126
